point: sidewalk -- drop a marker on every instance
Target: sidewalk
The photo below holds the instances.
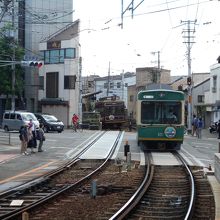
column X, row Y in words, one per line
column 207, row 134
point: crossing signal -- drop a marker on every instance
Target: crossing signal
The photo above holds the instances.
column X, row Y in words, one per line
column 35, row 64
column 180, row 87
column 32, row 63
column 189, row 80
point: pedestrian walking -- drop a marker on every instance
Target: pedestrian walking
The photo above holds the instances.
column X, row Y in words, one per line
column 23, row 135
column 218, row 129
column 130, row 125
column 194, row 125
column 40, row 137
column 75, row 119
column 199, row 128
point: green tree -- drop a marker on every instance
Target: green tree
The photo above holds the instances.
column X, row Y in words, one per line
column 8, row 47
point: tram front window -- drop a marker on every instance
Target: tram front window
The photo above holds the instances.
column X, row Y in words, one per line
column 161, row 112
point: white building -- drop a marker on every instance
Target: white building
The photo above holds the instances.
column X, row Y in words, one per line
column 212, row 97
column 59, row 77
column 116, row 85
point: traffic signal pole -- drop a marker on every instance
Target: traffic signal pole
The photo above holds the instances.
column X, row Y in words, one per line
column 189, row 41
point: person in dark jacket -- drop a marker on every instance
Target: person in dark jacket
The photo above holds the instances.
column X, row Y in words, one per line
column 40, row 137
column 194, row 125
column 199, row 128
column 23, row 135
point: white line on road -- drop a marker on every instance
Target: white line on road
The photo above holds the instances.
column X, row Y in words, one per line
column 194, row 158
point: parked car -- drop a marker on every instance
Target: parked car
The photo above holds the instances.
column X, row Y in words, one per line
column 213, row 127
column 50, row 122
column 13, row 120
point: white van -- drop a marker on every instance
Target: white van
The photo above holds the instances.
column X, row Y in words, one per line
column 13, row 120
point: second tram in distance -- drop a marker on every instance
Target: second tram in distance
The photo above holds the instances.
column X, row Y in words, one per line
column 113, row 112
column 160, row 119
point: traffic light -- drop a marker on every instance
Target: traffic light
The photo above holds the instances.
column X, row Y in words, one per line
column 32, row 63
column 180, row 87
column 37, row 64
column 189, row 80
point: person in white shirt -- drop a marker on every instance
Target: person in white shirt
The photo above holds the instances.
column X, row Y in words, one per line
column 33, row 142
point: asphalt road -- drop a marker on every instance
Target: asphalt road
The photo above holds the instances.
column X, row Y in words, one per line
column 201, row 150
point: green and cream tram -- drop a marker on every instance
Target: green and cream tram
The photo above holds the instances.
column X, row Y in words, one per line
column 160, row 119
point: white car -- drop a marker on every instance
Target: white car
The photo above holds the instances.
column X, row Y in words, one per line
column 14, row 120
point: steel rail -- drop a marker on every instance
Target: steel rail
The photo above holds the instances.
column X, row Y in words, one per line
column 191, row 206
column 133, row 201
column 18, row 211
column 51, row 173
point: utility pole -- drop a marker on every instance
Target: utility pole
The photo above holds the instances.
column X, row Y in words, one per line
column 80, row 89
column 122, row 84
column 108, row 78
column 131, row 7
column 189, row 42
column 13, row 59
column 158, row 66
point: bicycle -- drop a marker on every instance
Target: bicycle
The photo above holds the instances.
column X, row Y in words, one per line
column 77, row 127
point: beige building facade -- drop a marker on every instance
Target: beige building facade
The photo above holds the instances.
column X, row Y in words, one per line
column 145, row 76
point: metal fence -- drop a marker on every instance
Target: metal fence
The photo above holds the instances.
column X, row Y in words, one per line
column 5, row 137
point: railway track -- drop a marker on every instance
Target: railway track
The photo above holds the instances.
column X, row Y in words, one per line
column 172, row 191
column 149, row 192
column 14, row 203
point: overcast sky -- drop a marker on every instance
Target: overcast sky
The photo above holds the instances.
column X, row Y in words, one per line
column 157, row 25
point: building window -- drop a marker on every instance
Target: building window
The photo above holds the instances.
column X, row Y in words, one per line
column 54, row 56
column 118, row 85
column 61, row 56
column 47, row 57
column 105, row 85
column 58, row 55
column 69, row 82
column 52, row 85
column 111, row 85
column 126, row 84
column 41, row 82
column 70, row 53
column 201, row 98
column 131, row 98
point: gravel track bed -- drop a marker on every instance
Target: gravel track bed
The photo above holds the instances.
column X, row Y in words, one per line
column 112, row 185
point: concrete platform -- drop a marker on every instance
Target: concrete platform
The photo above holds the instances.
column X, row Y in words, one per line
column 164, row 158
column 216, row 190
column 101, row 148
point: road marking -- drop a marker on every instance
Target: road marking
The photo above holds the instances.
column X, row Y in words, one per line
column 6, row 157
column 202, row 143
column 194, row 158
column 28, row 172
